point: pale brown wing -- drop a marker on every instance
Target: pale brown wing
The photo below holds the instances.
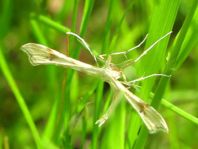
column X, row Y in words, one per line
column 40, row 54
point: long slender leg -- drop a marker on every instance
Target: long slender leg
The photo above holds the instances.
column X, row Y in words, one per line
column 145, row 77
column 83, row 42
column 104, row 117
column 149, row 48
column 129, row 62
column 127, row 51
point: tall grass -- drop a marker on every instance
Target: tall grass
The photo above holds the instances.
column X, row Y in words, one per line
column 75, row 103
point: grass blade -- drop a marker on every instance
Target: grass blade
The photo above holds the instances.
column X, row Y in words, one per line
column 20, row 99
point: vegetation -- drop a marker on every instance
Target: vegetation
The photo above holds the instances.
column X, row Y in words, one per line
column 55, row 107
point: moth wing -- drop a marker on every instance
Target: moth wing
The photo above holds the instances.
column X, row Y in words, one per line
column 40, row 54
column 153, row 120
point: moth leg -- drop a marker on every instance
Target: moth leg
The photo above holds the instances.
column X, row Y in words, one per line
column 130, row 62
column 124, row 53
column 149, row 48
column 83, row 43
column 130, row 83
column 105, row 117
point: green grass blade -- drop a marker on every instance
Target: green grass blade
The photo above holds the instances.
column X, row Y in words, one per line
column 169, row 69
column 86, row 14
column 20, row 99
column 5, row 17
column 115, row 130
column 181, row 36
column 75, row 14
column 60, row 28
column 162, row 22
column 191, row 37
column 49, row 129
column 37, row 32
column 64, row 11
column 119, row 26
column 66, row 114
column 190, row 41
column 180, row 112
column 52, row 24
column 97, row 109
column 107, row 30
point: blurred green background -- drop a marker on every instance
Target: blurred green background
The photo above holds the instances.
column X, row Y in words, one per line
column 61, row 106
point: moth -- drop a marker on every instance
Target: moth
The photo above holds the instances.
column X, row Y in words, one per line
column 41, row 55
